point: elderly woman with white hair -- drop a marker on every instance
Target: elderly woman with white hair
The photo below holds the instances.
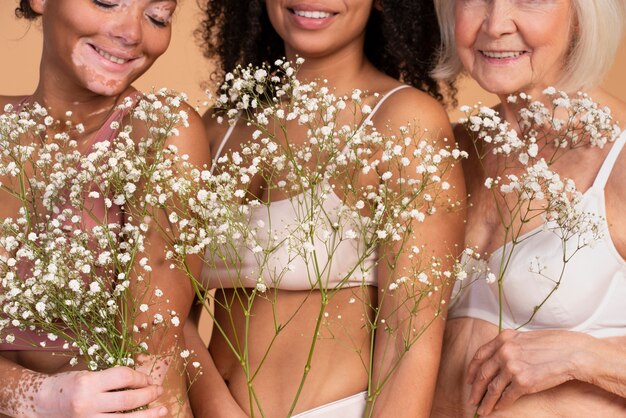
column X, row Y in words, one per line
column 570, row 361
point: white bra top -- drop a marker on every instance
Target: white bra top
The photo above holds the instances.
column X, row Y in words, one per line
column 591, row 296
column 330, row 262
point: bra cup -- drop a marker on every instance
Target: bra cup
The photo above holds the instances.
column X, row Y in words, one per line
column 289, row 266
column 578, row 295
column 584, row 279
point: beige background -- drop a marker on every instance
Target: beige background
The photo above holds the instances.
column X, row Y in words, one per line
column 182, row 68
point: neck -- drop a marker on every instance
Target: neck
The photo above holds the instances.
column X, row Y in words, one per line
column 344, row 70
column 87, row 108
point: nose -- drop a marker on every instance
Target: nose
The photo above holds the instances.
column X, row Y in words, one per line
column 126, row 27
column 499, row 19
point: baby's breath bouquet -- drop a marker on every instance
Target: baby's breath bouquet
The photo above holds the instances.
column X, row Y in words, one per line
column 345, row 186
column 74, row 270
column 519, row 163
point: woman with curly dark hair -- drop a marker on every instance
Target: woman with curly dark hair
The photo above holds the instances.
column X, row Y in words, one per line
column 385, row 49
column 92, row 53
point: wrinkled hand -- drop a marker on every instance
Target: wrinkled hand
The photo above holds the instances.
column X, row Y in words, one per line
column 86, row 394
column 519, row 363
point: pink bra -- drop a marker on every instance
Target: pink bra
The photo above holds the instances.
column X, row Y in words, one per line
column 331, row 262
column 30, row 340
column 591, row 295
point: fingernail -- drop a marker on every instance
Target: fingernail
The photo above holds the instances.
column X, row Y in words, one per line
column 150, row 382
column 162, row 412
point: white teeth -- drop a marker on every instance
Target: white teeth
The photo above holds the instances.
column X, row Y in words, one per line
column 110, row 57
column 492, row 54
column 312, row 14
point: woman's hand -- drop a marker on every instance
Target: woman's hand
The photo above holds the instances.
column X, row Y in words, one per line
column 519, row 363
column 94, row 394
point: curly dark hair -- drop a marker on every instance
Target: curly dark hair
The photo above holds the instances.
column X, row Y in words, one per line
column 25, row 11
column 402, row 40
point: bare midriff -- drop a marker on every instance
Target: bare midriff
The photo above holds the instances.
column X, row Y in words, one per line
column 338, row 366
column 570, row 400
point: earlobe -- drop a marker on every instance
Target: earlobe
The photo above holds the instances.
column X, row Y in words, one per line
column 378, row 5
column 38, row 6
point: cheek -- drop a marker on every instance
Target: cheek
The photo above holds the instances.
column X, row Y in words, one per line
column 157, row 42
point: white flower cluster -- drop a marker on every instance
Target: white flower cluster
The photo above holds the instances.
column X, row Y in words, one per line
column 568, row 124
column 77, row 237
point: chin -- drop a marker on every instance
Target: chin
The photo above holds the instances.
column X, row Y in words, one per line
column 500, row 88
column 107, row 85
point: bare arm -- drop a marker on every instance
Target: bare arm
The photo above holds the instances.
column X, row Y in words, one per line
column 167, row 342
column 208, row 394
column 419, row 319
column 516, row 363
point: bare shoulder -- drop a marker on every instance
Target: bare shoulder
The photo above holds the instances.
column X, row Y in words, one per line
column 413, row 106
column 192, row 139
column 617, row 106
column 189, row 136
column 618, row 111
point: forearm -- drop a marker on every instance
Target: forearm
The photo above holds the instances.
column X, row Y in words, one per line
column 208, row 393
column 20, row 390
column 409, row 389
column 602, row 363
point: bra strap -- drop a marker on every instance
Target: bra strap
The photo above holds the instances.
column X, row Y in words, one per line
column 19, row 106
column 218, row 154
column 378, row 106
column 106, row 133
column 382, row 100
column 609, row 162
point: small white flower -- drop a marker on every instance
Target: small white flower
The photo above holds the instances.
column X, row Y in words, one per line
column 74, row 285
column 184, row 354
column 350, row 234
column 40, row 307
column 261, row 287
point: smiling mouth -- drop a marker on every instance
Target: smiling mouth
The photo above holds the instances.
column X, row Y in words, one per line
column 112, row 58
column 312, row 14
column 502, row 54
